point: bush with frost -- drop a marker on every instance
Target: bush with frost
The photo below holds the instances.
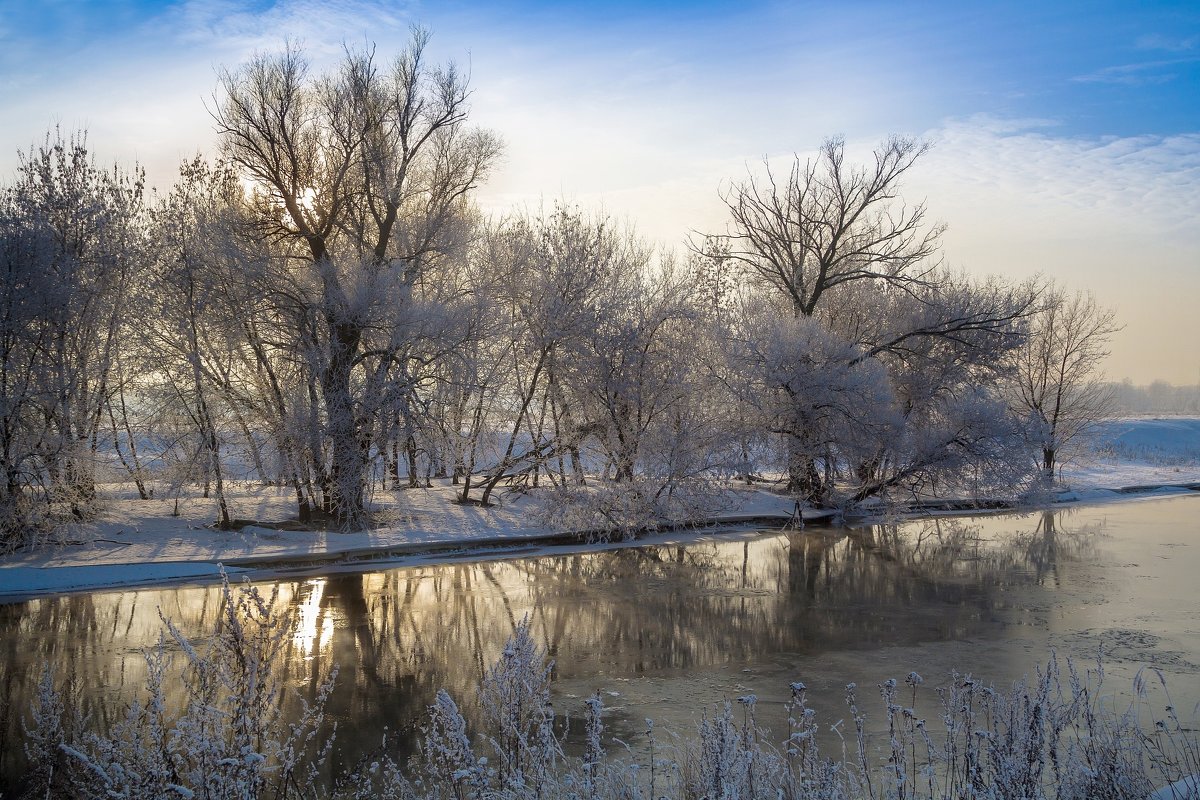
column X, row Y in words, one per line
column 1054, row 737
column 609, row 510
column 233, row 738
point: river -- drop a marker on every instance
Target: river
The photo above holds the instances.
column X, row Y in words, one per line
column 667, row 629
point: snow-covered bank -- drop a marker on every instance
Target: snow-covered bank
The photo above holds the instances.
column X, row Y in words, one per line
column 141, row 542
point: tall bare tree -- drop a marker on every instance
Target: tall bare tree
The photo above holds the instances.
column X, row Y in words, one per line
column 192, row 349
column 555, row 269
column 835, row 243
column 357, row 174
column 1058, row 384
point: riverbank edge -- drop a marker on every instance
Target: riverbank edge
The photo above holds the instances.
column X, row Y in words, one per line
column 136, row 575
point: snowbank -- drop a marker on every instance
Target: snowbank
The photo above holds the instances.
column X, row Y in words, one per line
column 142, row 541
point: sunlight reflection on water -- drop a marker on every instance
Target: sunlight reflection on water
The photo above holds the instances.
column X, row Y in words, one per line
column 314, row 627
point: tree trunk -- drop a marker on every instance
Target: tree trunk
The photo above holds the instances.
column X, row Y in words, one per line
column 1048, row 462
column 135, row 468
column 804, row 480
column 316, row 450
column 256, row 453
column 410, row 454
column 394, row 461
column 563, row 418
column 468, row 466
column 347, row 459
column 506, row 461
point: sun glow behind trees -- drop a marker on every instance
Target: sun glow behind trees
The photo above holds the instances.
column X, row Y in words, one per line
column 326, row 308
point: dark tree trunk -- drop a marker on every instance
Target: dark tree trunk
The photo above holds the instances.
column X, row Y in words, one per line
column 410, row 453
column 347, row 458
column 804, row 479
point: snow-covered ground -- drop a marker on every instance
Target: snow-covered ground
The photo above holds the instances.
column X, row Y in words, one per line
column 1134, row 452
column 141, row 542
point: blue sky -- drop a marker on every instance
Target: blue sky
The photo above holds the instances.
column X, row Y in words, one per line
column 1067, row 135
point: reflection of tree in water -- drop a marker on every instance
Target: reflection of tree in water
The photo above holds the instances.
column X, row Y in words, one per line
column 397, row 636
column 960, row 549
column 1051, row 545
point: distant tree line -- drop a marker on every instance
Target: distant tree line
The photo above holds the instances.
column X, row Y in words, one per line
column 324, row 306
column 1158, row 397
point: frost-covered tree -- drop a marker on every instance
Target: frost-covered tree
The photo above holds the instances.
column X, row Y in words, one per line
column 73, row 238
column 638, row 378
column 437, row 345
column 946, row 350
column 886, row 389
column 813, row 389
column 358, row 174
column 554, row 272
column 23, row 429
column 190, row 349
column 253, row 323
column 835, row 244
column 829, row 226
column 597, row 365
column 631, row 370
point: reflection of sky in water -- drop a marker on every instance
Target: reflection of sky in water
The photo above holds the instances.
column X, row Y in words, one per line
column 672, row 628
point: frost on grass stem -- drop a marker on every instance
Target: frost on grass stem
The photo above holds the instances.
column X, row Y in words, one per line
column 231, row 738
column 1046, row 738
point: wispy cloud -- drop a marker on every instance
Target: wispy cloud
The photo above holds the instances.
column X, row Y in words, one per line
column 321, row 25
column 1171, row 44
column 1148, row 183
column 1114, row 215
column 1138, row 74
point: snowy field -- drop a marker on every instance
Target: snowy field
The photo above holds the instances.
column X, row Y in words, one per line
column 1134, row 452
column 138, row 542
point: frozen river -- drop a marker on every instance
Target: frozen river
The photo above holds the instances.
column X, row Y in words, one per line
column 667, row 630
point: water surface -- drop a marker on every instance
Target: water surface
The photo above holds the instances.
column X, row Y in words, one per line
column 665, row 630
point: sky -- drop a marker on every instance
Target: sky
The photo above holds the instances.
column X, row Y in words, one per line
column 1066, row 135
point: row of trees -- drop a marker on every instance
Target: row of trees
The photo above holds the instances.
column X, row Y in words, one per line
column 1158, row 397
column 325, row 307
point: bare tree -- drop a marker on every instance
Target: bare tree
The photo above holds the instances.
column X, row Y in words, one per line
column 192, row 348
column 829, row 224
column 555, row 270
column 895, row 392
column 357, row 174
column 804, row 383
column 24, row 300
column 1058, row 385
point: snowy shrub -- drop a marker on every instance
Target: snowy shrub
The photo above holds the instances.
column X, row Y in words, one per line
column 604, row 511
column 232, row 739
column 1037, row 740
column 728, row 760
column 515, row 697
column 1048, row 738
column 610, row 510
